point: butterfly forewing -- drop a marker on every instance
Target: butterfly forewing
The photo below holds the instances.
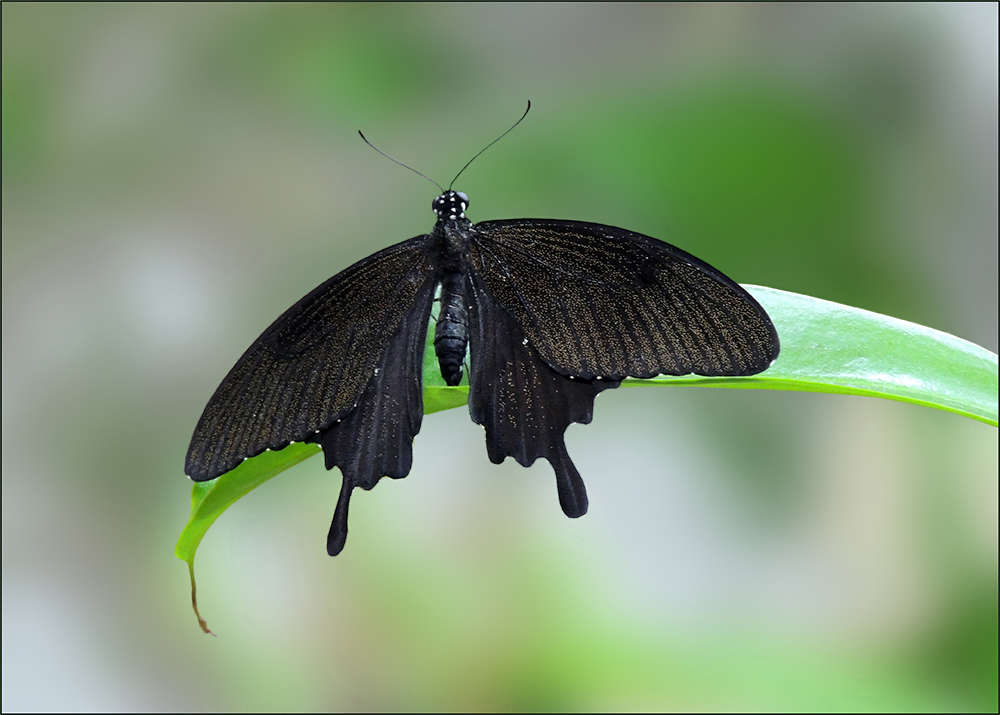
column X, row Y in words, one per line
column 602, row 301
column 312, row 365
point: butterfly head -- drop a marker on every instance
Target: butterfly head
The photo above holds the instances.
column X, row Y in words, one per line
column 450, row 205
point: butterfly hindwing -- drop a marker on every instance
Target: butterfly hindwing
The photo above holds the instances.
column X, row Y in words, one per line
column 376, row 439
column 597, row 300
column 524, row 405
column 311, row 366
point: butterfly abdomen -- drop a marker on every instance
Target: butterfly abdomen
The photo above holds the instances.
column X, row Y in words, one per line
column 451, row 335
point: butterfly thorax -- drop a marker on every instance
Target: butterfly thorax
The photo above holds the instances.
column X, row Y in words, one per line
column 451, row 235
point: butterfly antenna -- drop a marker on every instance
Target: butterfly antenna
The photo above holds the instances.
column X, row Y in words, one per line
column 491, row 144
column 404, row 165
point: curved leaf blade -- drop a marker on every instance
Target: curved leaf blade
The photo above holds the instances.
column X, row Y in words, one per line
column 210, row 499
column 825, row 347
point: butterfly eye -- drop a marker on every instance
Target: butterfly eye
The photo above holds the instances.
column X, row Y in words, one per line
column 463, row 197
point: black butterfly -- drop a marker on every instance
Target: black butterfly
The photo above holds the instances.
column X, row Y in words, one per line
column 553, row 312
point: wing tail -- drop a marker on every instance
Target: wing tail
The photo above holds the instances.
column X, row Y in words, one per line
column 569, row 483
column 337, row 537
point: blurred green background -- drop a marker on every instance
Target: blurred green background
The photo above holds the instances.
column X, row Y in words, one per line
column 175, row 176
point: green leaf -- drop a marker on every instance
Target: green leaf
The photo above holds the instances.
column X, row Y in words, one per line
column 825, row 347
column 444, row 398
column 210, row 499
